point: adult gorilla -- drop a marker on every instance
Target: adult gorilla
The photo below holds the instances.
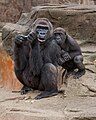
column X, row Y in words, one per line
column 71, row 57
column 36, row 57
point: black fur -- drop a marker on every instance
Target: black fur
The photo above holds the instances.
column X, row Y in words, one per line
column 35, row 63
column 74, row 54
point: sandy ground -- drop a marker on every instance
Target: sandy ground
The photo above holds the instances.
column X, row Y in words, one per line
column 77, row 103
column 14, row 106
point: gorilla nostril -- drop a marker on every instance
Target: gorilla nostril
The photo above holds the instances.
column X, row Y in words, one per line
column 42, row 33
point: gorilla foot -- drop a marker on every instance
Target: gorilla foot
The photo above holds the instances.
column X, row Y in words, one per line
column 46, row 94
column 25, row 90
column 69, row 73
column 79, row 74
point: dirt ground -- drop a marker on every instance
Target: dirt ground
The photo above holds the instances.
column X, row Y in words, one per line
column 78, row 102
column 15, row 106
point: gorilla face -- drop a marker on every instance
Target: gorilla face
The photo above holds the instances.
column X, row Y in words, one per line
column 42, row 32
column 43, row 29
column 59, row 37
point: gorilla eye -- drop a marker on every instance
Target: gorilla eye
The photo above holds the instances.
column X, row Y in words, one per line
column 43, row 27
column 46, row 28
column 58, row 34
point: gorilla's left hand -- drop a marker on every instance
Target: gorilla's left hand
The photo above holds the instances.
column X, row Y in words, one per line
column 61, row 61
column 65, row 55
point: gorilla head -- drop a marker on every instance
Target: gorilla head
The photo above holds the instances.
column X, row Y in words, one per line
column 60, row 35
column 43, row 29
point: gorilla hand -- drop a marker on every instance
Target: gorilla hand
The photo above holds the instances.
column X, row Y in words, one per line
column 20, row 39
column 65, row 55
column 25, row 90
column 31, row 36
column 61, row 61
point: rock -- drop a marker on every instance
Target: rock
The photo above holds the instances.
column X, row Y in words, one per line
column 72, row 18
column 9, row 31
column 78, row 21
column 7, row 76
column 11, row 10
column 84, row 86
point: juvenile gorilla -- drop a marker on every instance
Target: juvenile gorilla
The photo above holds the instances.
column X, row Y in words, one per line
column 71, row 57
column 36, row 57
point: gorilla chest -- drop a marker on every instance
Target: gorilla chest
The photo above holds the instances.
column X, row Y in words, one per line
column 50, row 54
column 46, row 55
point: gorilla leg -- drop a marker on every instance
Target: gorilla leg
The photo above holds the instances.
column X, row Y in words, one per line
column 69, row 67
column 78, row 60
column 31, row 82
column 25, row 90
column 48, row 81
column 20, row 63
column 21, row 66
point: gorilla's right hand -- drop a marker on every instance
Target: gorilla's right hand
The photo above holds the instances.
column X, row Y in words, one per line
column 31, row 36
column 20, row 39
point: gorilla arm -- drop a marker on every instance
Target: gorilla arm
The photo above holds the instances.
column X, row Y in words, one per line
column 76, row 54
column 74, row 49
column 21, row 50
column 19, row 58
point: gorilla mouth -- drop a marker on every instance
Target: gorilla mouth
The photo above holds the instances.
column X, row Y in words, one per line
column 41, row 39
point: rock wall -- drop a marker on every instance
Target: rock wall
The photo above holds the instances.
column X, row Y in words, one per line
column 78, row 21
column 8, row 79
column 11, row 10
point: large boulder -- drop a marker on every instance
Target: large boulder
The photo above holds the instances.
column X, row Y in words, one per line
column 8, row 79
column 8, row 34
column 78, row 21
column 11, row 10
